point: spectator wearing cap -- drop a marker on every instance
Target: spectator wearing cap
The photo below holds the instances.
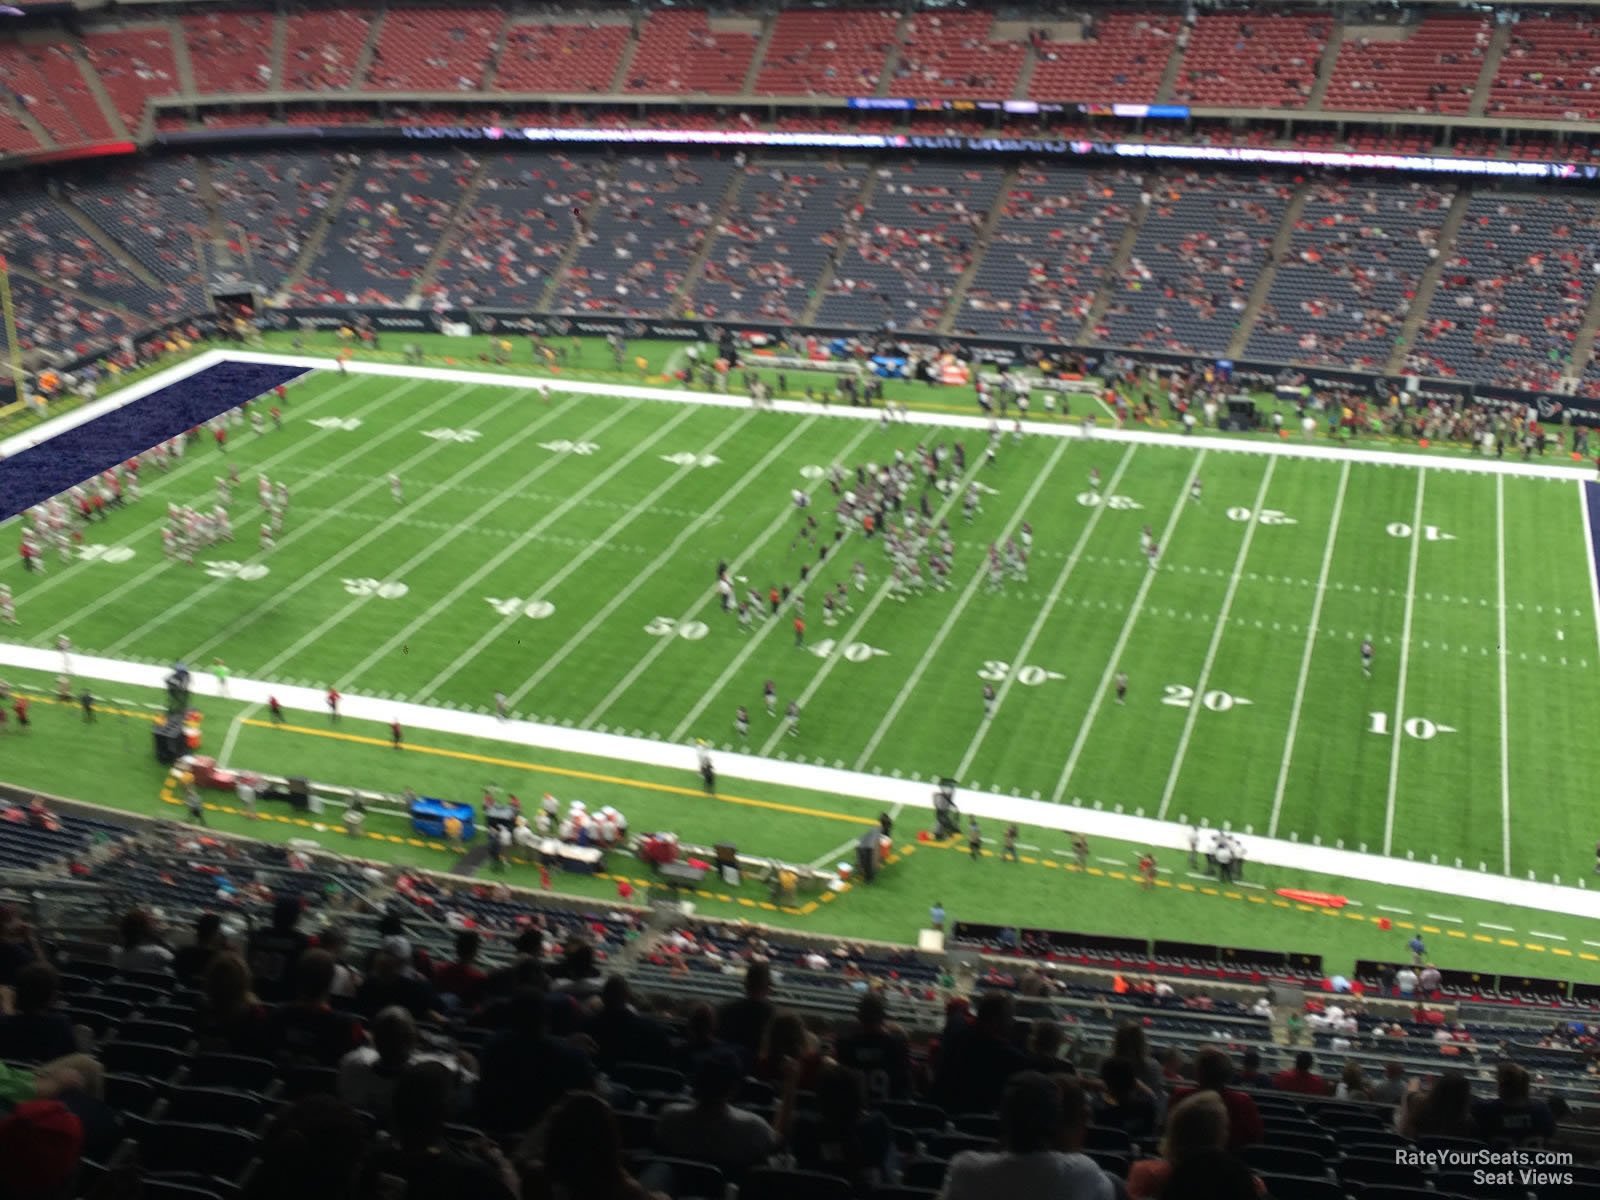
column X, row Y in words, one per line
column 41, row 1144
column 1212, row 1071
column 709, row 1129
column 1042, row 1122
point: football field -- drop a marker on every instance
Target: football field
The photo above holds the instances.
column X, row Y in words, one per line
column 565, row 553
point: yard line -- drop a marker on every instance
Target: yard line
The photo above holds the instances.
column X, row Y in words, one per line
column 1404, row 912
column 515, row 547
column 822, row 861
column 1590, row 551
column 1442, row 917
column 1216, row 644
column 1497, row 928
column 297, row 533
column 1405, row 663
column 648, row 574
column 1127, row 632
column 163, row 566
column 909, row 687
column 153, row 527
column 755, row 639
column 1554, row 937
column 1019, row 659
column 1505, row 713
column 594, row 545
column 1305, row 658
column 860, row 623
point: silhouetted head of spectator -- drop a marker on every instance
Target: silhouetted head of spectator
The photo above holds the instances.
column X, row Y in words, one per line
column 996, row 1013
column 394, row 1036
column 1212, row 1069
column 1118, row 1076
column 138, row 928
column 528, row 1015
column 313, row 977
column 424, row 1098
column 841, row 1098
column 37, row 986
column 468, row 943
column 530, row 941
column 758, row 980
column 1511, row 1083
column 208, row 930
column 1199, row 1122
column 315, row 1149
column 872, row 1013
column 615, row 995
column 1305, row 1062
column 228, row 985
column 285, row 914
column 577, row 960
column 717, row 1079
column 1212, row 1174
column 583, row 1154
column 701, row 1024
column 41, row 1143
column 1033, row 1113
column 1130, row 1043
column 1250, row 1061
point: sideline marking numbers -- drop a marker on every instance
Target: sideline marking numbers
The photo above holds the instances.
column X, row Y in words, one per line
column 513, row 606
column 1430, row 533
column 382, row 589
column 1180, row 695
column 1420, row 728
column 996, row 671
column 668, row 626
column 1267, row 516
column 229, row 569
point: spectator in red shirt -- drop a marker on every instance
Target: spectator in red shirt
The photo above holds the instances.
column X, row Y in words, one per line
column 463, row 979
column 1301, row 1078
column 1212, row 1070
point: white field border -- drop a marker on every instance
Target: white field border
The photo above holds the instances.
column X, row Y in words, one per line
column 875, row 790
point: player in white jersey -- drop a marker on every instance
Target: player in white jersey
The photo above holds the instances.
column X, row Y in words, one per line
column 264, row 491
column 859, row 573
column 266, row 537
column 221, row 526
column 1025, row 536
column 397, row 489
column 1094, row 480
column 257, row 423
column 1366, row 657
column 1194, row 490
column 1146, row 540
column 8, row 607
column 281, row 491
column 276, row 520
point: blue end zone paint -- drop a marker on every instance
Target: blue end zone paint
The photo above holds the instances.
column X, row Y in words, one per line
column 77, row 454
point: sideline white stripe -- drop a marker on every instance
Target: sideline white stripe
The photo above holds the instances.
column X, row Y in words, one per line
column 1442, row 917
column 1127, row 632
column 981, row 570
column 1405, row 663
column 1554, row 937
column 1404, row 912
column 647, row 574
column 1275, row 447
column 1305, row 658
column 1210, row 660
column 1590, row 552
column 1499, row 928
column 403, row 635
column 1505, row 653
column 595, row 545
column 873, row 602
column 874, row 791
column 661, row 644
column 1050, row 601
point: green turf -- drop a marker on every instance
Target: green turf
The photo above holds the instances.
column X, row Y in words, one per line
column 564, row 554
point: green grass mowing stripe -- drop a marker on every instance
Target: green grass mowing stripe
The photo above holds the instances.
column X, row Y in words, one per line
column 499, row 628
column 1398, row 717
column 1113, row 660
column 1201, row 687
column 176, row 478
column 1305, row 659
column 1021, row 659
column 980, row 572
column 758, row 472
column 549, row 519
column 366, row 447
column 758, row 549
column 876, row 599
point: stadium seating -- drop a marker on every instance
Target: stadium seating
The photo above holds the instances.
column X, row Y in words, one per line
column 1549, row 69
column 267, row 204
column 1346, row 282
column 1194, row 263
column 134, row 65
column 771, row 250
column 322, row 48
column 912, row 245
column 1434, row 68
column 643, row 236
column 433, row 49
column 44, row 79
column 680, row 52
column 1121, row 57
column 229, row 51
column 824, row 53
column 952, row 54
column 1048, row 253
column 1258, row 61
column 544, row 56
column 158, row 216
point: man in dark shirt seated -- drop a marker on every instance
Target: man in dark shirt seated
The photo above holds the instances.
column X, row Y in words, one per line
column 393, row 981
column 975, row 1062
column 273, row 951
column 37, row 1032
column 429, row 1163
column 307, row 1031
column 624, row 1035
column 190, row 962
column 743, row 1022
column 524, row 1070
column 1513, row 1115
column 881, row 1056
